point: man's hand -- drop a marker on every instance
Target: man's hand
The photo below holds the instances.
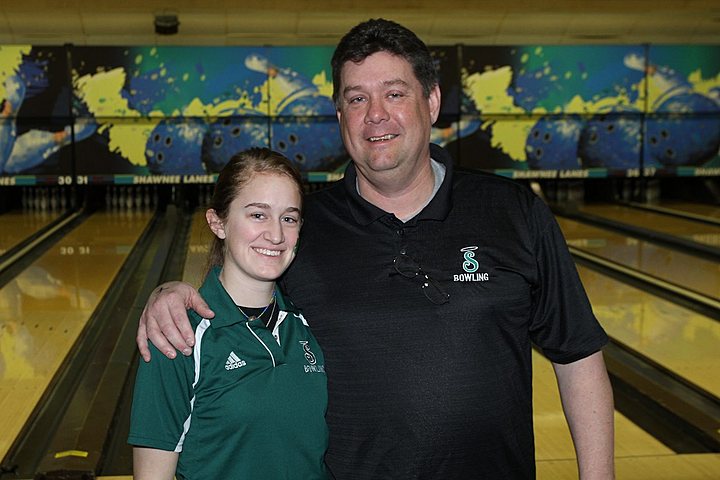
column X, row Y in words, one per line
column 164, row 320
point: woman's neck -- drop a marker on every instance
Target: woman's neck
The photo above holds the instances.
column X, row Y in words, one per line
column 247, row 293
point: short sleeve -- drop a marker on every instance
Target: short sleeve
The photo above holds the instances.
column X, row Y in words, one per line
column 161, row 401
column 563, row 324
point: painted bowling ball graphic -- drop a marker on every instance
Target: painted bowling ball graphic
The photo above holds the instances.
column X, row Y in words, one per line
column 231, row 134
column 310, row 144
column 144, row 91
column 684, row 131
column 173, row 147
column 552, row 144
column 307, row 132
column 611, row 140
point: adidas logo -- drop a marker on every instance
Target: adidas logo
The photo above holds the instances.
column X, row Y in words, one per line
column 234, row 362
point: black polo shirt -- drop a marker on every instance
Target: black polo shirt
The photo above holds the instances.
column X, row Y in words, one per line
column 427, row 390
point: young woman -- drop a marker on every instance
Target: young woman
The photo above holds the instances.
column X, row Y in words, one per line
column 250, row 402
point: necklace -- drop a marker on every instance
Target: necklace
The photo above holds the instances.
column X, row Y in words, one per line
column 253, row 317
column 272, row 314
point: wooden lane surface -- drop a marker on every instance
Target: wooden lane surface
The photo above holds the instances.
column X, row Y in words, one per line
column 653, row 467
column 688, row 229
column 704, row 209
column 552, row 436
column 45, row 308
column 690, row 271
column 638, row 456
column 18, row 225
column 679, row 339
column 198, row 248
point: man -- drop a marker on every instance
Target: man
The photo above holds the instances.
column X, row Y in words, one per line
column 426, row 288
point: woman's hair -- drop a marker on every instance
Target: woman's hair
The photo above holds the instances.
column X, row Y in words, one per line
column 380, row 35
column 238, row 172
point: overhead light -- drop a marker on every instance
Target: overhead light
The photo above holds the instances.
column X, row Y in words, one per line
column 166, row 24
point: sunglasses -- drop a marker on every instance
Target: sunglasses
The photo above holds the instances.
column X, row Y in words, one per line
column 409, row 268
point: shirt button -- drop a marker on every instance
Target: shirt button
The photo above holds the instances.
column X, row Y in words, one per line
column 403, row 251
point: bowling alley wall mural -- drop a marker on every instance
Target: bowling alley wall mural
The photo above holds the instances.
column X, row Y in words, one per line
column 177, row 114
column 592, row 111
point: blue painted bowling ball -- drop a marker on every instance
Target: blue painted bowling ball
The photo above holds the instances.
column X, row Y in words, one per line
column 311, row 104
column 307, row 133
column 552, row 144
column 145, row 90
column 231, row 134
column 611, row 140
column 174, row 147
column 685, row 130
column 310, row 143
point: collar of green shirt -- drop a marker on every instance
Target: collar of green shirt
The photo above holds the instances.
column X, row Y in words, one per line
column 226, row 312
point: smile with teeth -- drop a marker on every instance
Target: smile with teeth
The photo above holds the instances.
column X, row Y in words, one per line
column 270, row 253
column 389, row 136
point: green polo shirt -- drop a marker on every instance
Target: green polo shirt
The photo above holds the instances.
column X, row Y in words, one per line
column 248, row 404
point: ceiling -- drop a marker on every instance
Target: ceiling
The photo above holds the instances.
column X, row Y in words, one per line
column 308, row 22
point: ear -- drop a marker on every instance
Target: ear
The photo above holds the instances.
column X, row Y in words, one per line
column 434, row 103
column 215, row 224
column 338, row 113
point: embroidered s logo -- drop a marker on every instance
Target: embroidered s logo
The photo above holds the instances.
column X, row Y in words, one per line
column 470, row 265
column 309, row 355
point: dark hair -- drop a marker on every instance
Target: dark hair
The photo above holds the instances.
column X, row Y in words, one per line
column 238, row 172
column 380, row 35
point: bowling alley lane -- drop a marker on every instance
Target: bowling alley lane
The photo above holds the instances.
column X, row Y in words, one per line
column 688, row 229
column 689, row 271
column 651, row 467
column 18, row 225
column 692, row 208
column 198, row 249
column 45, row 308
column 679, row 339
column 552, row 436
column 638, row 455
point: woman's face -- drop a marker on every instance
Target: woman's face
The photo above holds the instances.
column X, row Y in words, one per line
column 261, row 228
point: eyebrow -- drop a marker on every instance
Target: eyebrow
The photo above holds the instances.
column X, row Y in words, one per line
column 266, row 207
column 386, row 83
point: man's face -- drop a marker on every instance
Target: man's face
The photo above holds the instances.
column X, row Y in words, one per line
column 385, row 119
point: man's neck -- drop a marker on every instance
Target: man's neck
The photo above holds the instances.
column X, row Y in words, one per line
column 403, row 200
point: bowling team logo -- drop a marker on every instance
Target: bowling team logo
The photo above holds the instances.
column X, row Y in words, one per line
column 470, row 266
column 312, row 366
column 309, row 355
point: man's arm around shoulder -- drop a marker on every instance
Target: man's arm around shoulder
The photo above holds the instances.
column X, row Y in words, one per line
column 164, row 319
